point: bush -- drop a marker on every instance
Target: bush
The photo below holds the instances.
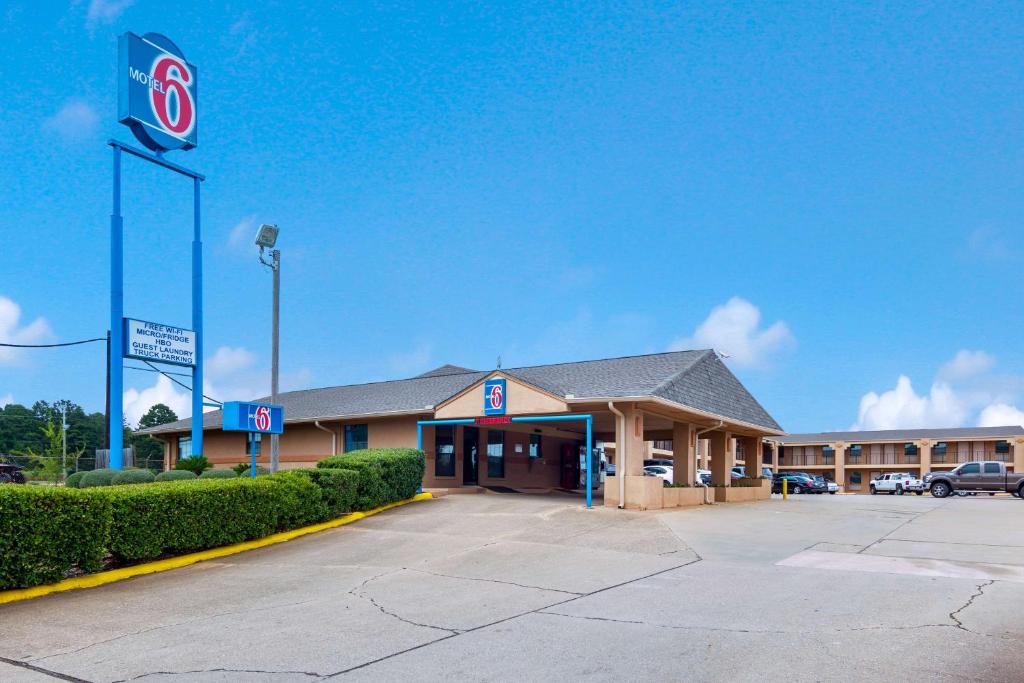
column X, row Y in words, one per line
column 73, row 480
column 300, row 502
column 100, row 477
column 46, row 531
column 218, row 474
column 176, row 475
column 338, row 488
column 197, row 464
column 386, row 475
column 133, row 477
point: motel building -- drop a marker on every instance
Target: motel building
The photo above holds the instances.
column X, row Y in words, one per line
column 853, row 459
column 680, row 405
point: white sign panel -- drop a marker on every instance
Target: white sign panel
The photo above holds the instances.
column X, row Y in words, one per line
column 159, row 343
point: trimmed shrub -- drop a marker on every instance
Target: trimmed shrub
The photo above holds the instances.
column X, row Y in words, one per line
column 46, row 531
column 133, row 477
column 386, row 475
column 300, row 501
column 100, row 477
column 197, row 464
column 339, row 488
column 176, row 475
column 218, row 474
column 73, row 480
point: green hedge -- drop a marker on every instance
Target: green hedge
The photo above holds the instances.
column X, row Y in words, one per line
column 46, row 531
column 133, row 477
column 339, row 488
column 386, row 475
column 101, row 477
column 176, row 475
column 218, row 474
column 73, row 479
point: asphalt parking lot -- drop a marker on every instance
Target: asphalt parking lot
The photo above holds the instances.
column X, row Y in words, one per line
column 518, row 587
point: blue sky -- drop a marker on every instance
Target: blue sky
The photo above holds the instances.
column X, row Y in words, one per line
column 831, row 196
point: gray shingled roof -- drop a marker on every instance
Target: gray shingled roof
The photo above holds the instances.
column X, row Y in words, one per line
column 695, row 379
column 948, row 434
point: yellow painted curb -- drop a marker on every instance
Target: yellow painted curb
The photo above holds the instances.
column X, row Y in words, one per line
column 101, row 578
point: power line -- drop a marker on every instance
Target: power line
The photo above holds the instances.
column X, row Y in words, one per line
column 180, row 384
column 50, row 346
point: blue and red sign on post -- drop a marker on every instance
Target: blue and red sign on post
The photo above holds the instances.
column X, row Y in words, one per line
column 494, row 396
column 157, row 98
column 257, row 418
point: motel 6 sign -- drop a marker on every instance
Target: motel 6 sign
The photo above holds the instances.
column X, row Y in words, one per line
column 260, row 418
column 157, row 92
column 494, row 396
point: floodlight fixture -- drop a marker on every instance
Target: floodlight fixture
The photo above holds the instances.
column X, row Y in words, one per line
column 266, row 238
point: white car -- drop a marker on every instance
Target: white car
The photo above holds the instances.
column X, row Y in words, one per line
column 833, row 487
column 663, row 471
column 703, row 477
column 896, row 483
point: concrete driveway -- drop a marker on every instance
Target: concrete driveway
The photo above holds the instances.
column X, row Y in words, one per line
column 518, row 587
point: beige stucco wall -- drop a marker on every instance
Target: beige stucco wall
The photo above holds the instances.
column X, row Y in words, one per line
column 520, row 400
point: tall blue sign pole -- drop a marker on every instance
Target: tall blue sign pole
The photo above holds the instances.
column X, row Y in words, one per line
column 157, row 100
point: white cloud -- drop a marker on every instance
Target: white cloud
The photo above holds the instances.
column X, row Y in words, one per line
column 106, row 11
column 75, row 120
column 6, row 400
column 228, row 360
column 1001, row 415
column 412, row 362
column 242, row 233
column 964, row 391
column 734, row 329
column 136, row 402
column 966, row 365
column 35, row 332
column 902, row 408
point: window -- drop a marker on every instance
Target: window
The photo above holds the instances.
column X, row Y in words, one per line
column 254, row 444
column 910, row 450
column 1002, row 447
column 184, row 447
column 829, row 454
column 939, row 452
column 444, row 450
column 356, row 437
column 855, row 451
column 971, row 468
column 992, row 468
column 534, row 445
column 855, row 481
column 495, row 453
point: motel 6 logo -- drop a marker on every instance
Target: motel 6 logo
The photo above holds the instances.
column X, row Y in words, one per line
column 158, row 92
column 494, row 396
column 261, row 418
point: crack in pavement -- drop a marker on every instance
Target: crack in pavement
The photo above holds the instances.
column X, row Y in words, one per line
column 506, row 619
column 41, row 670
column 498, row 581
column 954, row 615
column 358, row 593
column 903, row 524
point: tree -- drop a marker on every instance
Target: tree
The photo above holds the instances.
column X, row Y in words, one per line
column 149, row 452
column 50, row 462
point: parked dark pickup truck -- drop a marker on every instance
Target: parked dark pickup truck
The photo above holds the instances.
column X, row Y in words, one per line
column 990, row 477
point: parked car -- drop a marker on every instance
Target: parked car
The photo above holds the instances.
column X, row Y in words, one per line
column 11, row 473
column 663, row 471
column 797, row 483
column 830, row 485
column 978, row 477
column 666, row 462
column 739, row 470
column 609, row 469
column 704, row 477
column 767, row 473
column 896, row 483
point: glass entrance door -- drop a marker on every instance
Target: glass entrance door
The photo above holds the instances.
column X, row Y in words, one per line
column 470, row 454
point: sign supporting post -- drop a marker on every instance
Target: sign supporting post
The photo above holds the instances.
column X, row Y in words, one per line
column 116, row 353
column 252, row 456
column 197, row 324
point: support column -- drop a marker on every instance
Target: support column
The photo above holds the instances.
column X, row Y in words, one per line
column 684, row 457
column 840, row 463
column 924, row 449
column 1018, row 456
column 775, row 456
column 721, row 454
column 634, row 442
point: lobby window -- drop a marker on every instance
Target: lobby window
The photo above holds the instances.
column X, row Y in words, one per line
column 829, row 454
column 356, row 437
column 495, row 453
column 184, row 447
column 444, row 449
column 254, row 444
column 534, row 445
column 855, row 451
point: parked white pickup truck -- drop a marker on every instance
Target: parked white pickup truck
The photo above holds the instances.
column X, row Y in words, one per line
column 896, row 482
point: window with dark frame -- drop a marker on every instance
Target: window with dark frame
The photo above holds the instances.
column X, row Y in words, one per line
column 356, row 437
column 855, row 451
column 254, row 444
column 184, row 447
column 534, row 445
column 939, row 452
column 1003, row 447
column 495, row 453
column 828, row 454
column 444, row 450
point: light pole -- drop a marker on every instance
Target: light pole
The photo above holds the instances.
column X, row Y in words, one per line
column 266, row 238
column 64, row 441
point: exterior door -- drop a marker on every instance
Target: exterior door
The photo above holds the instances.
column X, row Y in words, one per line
column 470, row 454
column 992, row 478
column 970, row 476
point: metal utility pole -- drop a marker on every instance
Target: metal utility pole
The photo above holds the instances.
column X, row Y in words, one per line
column 266, row 238
column 64, row 438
